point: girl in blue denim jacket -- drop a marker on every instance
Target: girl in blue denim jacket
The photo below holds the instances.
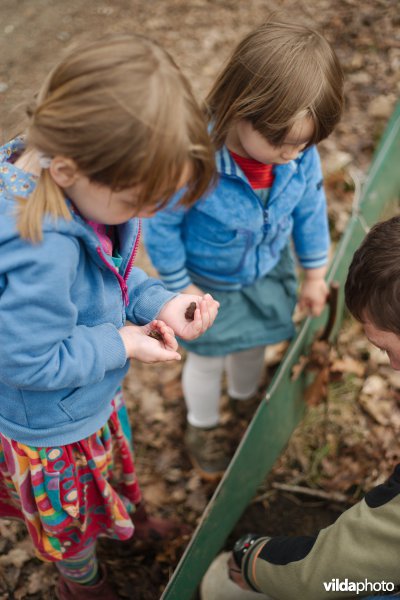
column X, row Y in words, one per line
column 280, row 93
column 115, row 130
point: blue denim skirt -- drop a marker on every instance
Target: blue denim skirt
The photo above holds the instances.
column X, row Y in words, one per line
column 256, row 315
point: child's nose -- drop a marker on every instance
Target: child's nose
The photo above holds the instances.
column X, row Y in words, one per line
column 290, row 153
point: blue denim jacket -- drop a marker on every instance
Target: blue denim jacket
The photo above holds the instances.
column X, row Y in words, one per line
column 62, row 303
column 229, row 239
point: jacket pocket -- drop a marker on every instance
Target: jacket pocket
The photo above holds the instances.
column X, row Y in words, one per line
column 223, row 258
column 213, row 248
column 76, row 405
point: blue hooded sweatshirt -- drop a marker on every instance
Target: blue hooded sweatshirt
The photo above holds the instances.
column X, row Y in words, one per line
column 61, row 304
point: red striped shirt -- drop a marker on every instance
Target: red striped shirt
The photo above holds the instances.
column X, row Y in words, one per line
column 260, row 176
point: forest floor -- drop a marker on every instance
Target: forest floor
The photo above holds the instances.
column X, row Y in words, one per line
column 344, row 446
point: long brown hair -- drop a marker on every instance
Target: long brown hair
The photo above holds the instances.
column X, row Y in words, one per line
column 278, row 73
column 122, row 110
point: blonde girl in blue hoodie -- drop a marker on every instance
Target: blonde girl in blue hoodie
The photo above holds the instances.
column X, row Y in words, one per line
column 114, row 132
column 280, row 93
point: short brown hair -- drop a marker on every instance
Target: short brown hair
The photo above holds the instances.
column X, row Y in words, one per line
column 372, row 289
column 280, row 72
column 123, row 111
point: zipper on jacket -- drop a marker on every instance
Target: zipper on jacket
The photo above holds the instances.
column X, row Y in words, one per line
column 134, row 252
column 266, row 226
column 122, row 280
column 265, row 216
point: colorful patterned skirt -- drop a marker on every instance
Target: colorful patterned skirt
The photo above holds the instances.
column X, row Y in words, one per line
column 70, row 495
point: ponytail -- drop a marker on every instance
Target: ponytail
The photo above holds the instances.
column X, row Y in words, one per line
column 46, row 199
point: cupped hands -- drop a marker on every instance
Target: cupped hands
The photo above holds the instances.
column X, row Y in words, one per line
column 173, row 314
column 147, row 348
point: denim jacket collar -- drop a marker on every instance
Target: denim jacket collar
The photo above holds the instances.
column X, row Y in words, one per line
column 283, row 173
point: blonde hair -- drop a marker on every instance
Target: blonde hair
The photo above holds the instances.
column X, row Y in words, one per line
column 122, row 110
column 278, row 73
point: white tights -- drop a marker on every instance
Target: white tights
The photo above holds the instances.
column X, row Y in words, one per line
column 202, row 379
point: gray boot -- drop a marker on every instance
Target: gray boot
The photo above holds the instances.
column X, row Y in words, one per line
column 208, row 450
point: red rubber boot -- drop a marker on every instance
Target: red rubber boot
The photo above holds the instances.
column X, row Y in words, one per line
column 102, row 590
column 154, row 529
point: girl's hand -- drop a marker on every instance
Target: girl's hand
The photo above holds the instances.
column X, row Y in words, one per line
column 313, row 295
column 138, row 344
column 173, row 313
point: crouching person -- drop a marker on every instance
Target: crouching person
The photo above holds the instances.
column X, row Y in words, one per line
column 358, row 555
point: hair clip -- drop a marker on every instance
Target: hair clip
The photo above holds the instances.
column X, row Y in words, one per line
column 44, row 161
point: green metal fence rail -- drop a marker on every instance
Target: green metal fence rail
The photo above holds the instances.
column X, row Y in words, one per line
column 283, row 406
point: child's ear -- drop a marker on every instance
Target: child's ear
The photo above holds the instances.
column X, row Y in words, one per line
column 63, row 170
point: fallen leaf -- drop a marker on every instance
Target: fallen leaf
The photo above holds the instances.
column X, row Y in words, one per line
column 348, row 364
column 16, row 557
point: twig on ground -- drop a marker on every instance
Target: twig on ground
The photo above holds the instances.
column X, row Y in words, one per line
column 298, row 489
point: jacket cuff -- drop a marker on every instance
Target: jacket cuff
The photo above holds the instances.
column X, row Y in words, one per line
column 113, row 347
column 313, row 262
column 249, row 566
column 150, row 302
column 176, row 280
